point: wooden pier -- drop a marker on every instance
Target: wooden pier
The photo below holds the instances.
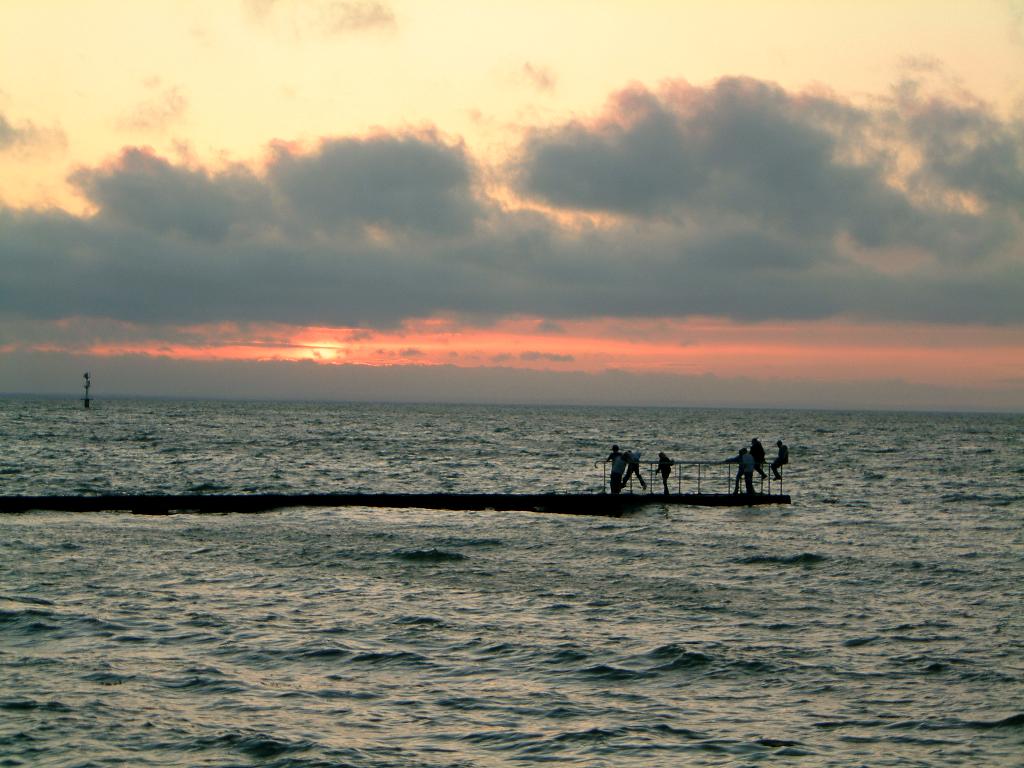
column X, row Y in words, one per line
column 601, row 504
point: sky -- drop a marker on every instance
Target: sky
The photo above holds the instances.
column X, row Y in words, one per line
column 710, row 203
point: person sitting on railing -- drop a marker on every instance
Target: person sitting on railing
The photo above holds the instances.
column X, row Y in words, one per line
column 633, row 468
column 664, row 469
column 618, row 461
column 744, row 470
column 780, row 460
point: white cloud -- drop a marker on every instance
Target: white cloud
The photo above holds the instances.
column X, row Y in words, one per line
column 162, row 107
column 330, row 17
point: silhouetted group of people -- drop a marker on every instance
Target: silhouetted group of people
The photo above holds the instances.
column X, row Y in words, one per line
column 752, row 460
column 626, row 464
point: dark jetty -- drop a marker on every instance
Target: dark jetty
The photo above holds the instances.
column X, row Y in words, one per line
column 605, row 505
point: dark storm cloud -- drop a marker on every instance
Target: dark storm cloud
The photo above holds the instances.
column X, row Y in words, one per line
column 742, row 150
column 968, row 149
column 739, row 200
column 400, row 182
column 146, row 192
column 650, row 156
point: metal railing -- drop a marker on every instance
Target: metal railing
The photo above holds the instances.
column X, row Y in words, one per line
column 697, row 481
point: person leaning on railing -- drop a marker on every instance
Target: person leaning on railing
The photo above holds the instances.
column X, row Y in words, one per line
column 618, row 461
column 664, row 469
column 633, row 468
column 745, row 469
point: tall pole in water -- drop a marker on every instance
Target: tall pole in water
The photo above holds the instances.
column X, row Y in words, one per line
column 88, row 381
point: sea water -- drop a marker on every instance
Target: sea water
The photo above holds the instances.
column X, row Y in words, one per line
column 878, row 620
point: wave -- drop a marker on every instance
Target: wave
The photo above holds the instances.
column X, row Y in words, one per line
column 567, row 656
column 954, row 498
column 590, row 735
column 925, row 638
column 388, row 658
column 420, row 621
column 463, row 703
column 256, row 745
column 500, row 739
column 28, row 621
column 688, row 660
column 776, row 743
column 27, row 599
column 609, row 672
column 669, row 651
column 1013, row 721
column 330, row 652
column 207, row 487
column 500, row 649
column 837, row 724
column 992, row 500
column 955, row 723
column 428, row 555
column 204, row 620
column 108, row 678
column 804, row 558
column 204, row 683
column 456, row 541
column 625, row 744
column 665, row 729
column 26, row 704
column 857, row 642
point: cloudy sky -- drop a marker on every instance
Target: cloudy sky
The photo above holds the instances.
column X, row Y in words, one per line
column 711, row 202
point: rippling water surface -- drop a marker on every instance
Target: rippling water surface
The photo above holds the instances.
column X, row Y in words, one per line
column 876, row 621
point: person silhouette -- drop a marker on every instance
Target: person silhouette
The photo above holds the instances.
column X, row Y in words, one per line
column 633, row 468
column 744, row 470
column 757, row 454
column 664, row 469
column 618, row 461
column 781, row 460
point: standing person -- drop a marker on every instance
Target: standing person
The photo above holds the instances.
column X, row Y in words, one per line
column 664, row 469
column 633, row 468
column 757, row 454
column 618, row 461
column 781, row 460
column 744, row 470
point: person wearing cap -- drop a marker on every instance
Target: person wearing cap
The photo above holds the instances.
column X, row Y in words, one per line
column 780, row 460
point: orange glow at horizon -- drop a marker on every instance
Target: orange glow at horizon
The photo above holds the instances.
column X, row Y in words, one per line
column 827, row 351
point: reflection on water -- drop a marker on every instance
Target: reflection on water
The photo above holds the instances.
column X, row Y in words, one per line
column 876, row 621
